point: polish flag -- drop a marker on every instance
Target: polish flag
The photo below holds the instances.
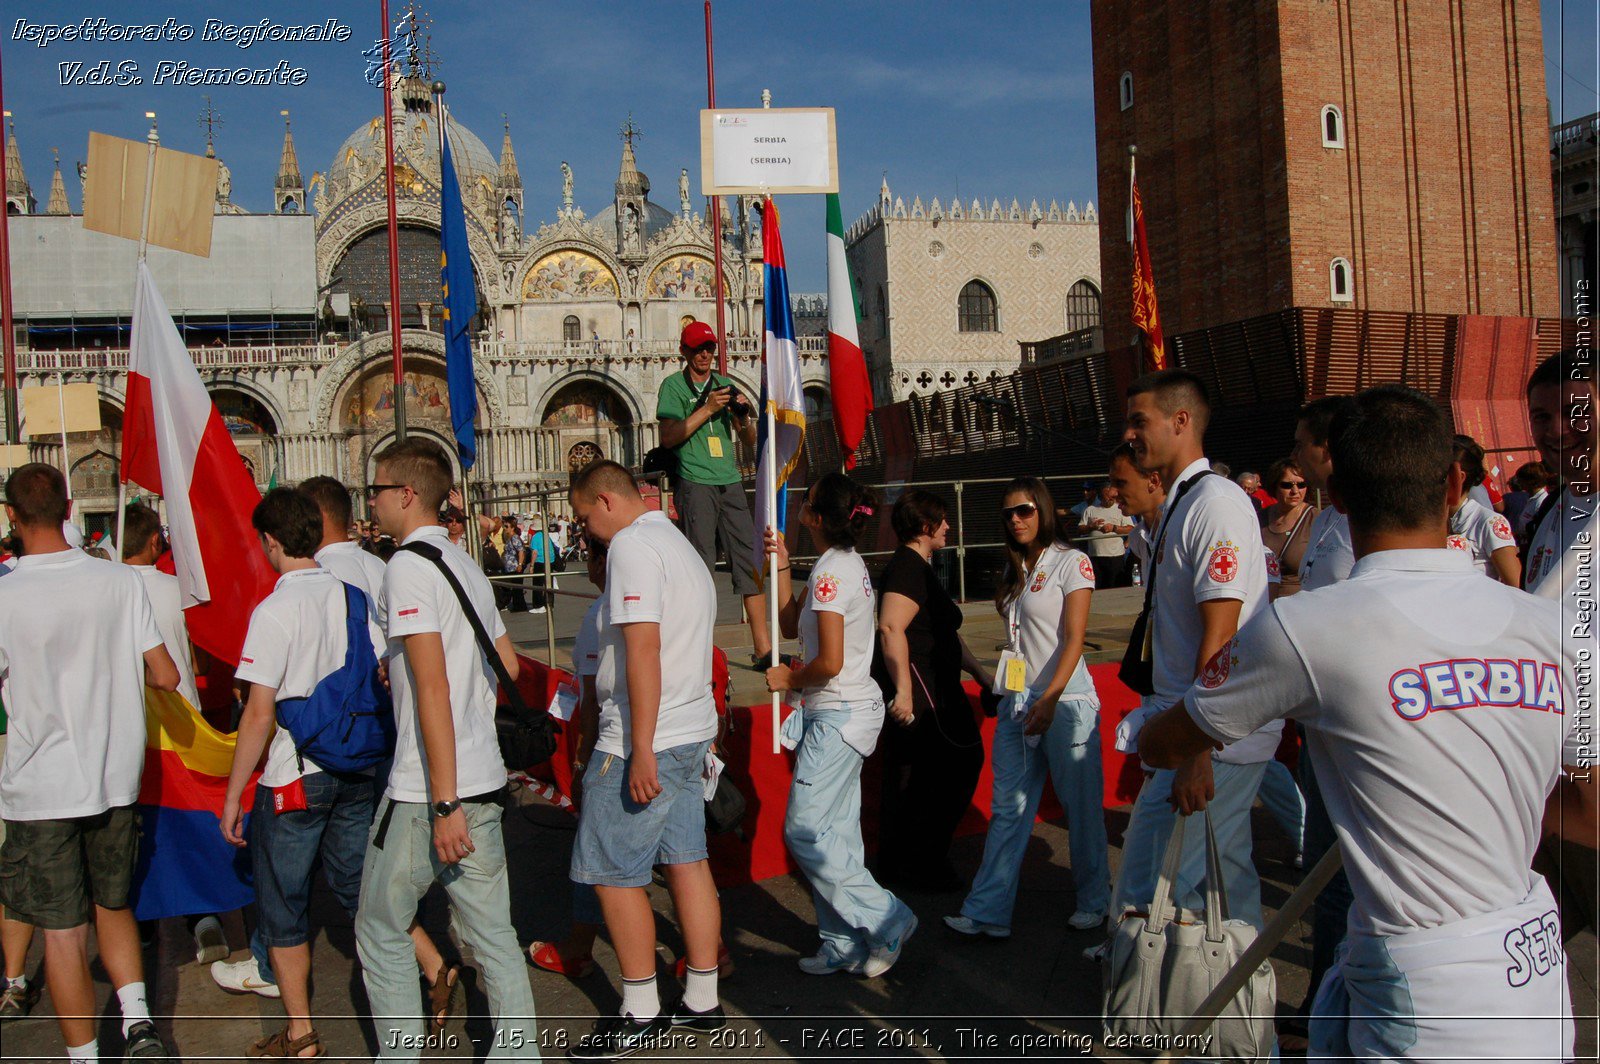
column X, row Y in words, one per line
column 174, row 443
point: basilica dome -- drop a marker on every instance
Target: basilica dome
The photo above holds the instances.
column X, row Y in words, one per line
column 416, row 138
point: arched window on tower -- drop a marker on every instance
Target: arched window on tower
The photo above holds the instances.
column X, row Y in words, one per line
column 976, row 308
column 1340, row 285
column 1083, row 306
column 571, row 329
column 883, row 310
column 1332, row 127
column 1125, row 89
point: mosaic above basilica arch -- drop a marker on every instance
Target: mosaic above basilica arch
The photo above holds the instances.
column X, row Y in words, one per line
column 683, row 276
column 569, row 274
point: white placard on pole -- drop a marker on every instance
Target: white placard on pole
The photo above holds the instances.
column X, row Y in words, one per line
column 768, row 150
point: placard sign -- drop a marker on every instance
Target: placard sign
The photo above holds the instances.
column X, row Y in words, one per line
column 772, row 150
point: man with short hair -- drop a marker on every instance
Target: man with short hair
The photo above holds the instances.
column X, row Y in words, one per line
column 441, row 817
column 298, row 648
column 337, row 552
column 1445, row 711
column 78, row 645
column 700, row 412
column 142, row 546
column 1105, row 527
column 1209, row 575
column 643, row 800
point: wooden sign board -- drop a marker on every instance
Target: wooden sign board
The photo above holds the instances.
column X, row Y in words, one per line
column 768, row 150
column 182, row 202
column 43, row 405
column 13, row 455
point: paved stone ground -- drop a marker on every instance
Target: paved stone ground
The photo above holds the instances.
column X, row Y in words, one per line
column 1034, row 995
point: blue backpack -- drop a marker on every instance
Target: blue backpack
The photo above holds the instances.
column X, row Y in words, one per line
column 347, row 723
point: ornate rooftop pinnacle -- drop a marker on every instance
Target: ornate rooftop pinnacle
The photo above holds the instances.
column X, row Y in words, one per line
column 630, row 182
column 16, row 180
column 288, row 163
column 58, row 190
column 509, row 176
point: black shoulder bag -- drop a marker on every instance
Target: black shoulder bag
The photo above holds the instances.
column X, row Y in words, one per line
column 529, row 736
column 1138, row 661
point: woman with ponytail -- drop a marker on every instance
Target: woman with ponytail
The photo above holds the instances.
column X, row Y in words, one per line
column 1048, row 721
column 863, row 926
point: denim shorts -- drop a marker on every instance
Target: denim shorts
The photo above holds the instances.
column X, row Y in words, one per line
column 619, row 840
column 284, row 848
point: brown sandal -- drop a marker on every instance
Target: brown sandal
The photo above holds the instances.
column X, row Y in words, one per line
column 440, row 992
column 280, row 1045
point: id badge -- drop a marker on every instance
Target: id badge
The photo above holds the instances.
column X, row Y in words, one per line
column 1011, row 675
column 714, row 445
column 290, row 798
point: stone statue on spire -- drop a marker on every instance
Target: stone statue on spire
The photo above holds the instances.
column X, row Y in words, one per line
column 683, row 191
column 566, row 188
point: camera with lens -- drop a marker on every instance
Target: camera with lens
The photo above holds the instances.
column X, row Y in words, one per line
column 739, row 405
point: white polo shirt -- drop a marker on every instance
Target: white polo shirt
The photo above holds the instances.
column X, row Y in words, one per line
column 166, row 602
column 355, row 566
column 1441, row 711
column 1211, row 550
column 1330, row 555
column 419, row 600
column 654, row 576
column 296, row 640
column 840, row 584
column 1033, row 618
column 1479, row 531
column 586, row 643
column 1561, row 566
column 73, row 634
column 1140, row 544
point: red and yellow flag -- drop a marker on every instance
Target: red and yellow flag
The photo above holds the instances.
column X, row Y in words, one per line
column 1146, row 315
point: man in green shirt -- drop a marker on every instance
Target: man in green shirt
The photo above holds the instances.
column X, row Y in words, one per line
column 700, row 412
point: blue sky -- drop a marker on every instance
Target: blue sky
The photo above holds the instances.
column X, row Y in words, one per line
column 993, row 100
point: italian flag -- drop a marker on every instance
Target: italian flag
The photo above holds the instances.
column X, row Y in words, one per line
column 847, row 369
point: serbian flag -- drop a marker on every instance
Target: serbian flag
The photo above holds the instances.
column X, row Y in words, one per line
column 847, row 369
column 781, row 435
column 459, row 296
column 175, row 444
column 185, row 866
column 1145, row 314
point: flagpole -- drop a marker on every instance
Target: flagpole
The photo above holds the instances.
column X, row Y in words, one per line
column 714, row 209
column 772, row 559
column 61, row 412
column 8, row 340
column 394, row 228
column 153, row 140
column 474, row 538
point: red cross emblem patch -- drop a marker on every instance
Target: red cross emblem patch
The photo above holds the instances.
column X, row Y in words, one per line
column 1224, row 564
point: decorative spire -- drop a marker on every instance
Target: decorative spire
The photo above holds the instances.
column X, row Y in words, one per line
column 210, row 119
column 509, row 177
column 288, row 189
column 630, row 182
column 17, row 187
column 58, row 190
column 883, row 190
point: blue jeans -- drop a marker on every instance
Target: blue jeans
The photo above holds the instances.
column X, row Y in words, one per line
column 1152, row 824
column 1282, row 797
column 1330, row 913
column 619, row 840
column 823, row 831
column 284, row 848
column 1069, row 753
column 399, row 873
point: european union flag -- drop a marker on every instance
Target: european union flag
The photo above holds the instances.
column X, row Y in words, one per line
column 459, row 301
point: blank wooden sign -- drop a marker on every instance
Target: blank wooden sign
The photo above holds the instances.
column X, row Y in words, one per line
column 13, row 455
column 43, row 405
column 181, row 205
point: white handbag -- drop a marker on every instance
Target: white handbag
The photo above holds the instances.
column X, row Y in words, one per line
column 1159, row 966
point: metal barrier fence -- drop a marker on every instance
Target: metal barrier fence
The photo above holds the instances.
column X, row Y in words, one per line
column 972, row 510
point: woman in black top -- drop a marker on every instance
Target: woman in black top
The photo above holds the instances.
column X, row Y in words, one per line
column 932, row 752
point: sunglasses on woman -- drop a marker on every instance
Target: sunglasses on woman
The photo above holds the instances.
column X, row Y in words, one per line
column 1022, row 510
column 1291, row 485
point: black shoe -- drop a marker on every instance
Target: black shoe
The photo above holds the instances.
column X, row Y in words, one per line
column 615, row 1037
column 144, row 1043
column 713, row 1019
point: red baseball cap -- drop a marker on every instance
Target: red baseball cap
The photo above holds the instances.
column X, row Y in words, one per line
column 697, row 334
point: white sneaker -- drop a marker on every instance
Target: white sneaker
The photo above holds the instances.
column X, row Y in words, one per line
column 243, row 977
column 210, row 944
column 1083, row 919
column 1097, row 953
column 535, row 609
column 884, row 957
column 965, row 925
column 826, row 962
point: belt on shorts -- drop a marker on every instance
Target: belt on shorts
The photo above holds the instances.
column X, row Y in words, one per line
column 388, row 812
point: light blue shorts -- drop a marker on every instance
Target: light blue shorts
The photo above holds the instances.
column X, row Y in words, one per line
column 619, row 840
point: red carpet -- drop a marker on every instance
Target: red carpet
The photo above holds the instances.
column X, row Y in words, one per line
column 764, row 777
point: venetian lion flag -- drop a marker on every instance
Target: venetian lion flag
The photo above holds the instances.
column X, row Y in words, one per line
column 782, row 431
column 174, row 443
column 185, row 865
column 847, row 369
column 1145, row 313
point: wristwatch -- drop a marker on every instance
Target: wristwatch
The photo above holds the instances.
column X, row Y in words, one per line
column 445, row 808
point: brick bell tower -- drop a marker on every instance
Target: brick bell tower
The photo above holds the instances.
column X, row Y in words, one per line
column 1337, row 193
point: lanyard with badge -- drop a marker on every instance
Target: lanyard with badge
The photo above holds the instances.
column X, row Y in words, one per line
column 1011, row 674
column 713, row 441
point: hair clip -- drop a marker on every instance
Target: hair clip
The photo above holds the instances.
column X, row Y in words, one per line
column 860, row 510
